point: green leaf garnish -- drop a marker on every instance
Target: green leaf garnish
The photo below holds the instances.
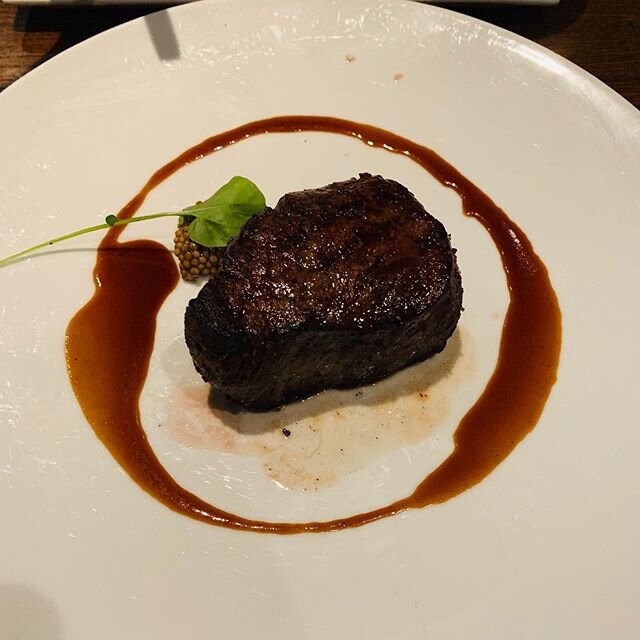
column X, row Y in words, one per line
column 214, row 222
column 220, row 218
column 208, row 233
column 239, row 197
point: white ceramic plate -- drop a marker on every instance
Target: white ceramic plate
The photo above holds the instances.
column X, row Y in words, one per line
column 545, row 547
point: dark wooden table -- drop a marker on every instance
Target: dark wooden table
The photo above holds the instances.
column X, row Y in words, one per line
column 602, row 36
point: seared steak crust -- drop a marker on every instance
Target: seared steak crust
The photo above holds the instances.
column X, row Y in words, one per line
column 335, row 287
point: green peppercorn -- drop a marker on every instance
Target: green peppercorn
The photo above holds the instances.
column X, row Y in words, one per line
column 195, row 261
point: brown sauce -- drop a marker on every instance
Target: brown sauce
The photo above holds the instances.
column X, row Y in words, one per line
column 110, row 340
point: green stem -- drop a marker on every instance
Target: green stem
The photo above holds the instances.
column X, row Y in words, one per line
column 98, row 227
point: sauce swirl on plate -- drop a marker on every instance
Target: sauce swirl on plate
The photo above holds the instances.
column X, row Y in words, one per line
column 110, row 340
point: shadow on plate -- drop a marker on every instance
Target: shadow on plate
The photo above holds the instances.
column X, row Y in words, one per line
column 416, row 380
column 26, row 613
column 49, row 30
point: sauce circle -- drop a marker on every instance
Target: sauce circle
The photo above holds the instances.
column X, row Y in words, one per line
column 110, row 340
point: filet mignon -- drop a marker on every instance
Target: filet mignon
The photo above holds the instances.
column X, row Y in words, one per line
column 335, row 287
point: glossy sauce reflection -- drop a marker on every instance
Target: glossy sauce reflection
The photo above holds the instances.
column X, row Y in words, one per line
column 110, row 340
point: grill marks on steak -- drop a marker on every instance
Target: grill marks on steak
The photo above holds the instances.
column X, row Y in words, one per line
column 333, row 288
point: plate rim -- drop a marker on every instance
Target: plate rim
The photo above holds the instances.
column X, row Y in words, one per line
column 575, row 76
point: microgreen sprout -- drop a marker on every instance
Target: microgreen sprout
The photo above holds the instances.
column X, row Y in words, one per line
column 212, row 223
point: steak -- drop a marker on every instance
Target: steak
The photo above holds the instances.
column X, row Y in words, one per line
column 335, row 287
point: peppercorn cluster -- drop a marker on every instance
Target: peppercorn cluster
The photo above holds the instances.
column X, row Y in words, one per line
column 195, row 261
